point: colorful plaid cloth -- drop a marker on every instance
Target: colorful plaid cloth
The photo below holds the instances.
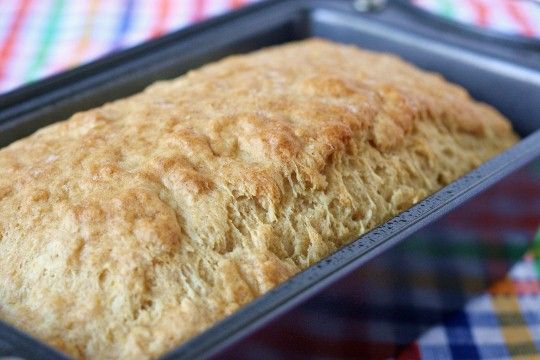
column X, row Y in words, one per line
column 504, row 322
column 41, row 37
column 514, row 17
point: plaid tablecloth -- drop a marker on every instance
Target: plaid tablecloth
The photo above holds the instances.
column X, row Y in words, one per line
column 42, row 37
column 517, row 17
column 505, row 321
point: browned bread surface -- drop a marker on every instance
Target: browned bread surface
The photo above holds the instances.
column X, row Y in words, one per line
column 130, row 228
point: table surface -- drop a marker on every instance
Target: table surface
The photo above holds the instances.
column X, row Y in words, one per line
column 42, row 37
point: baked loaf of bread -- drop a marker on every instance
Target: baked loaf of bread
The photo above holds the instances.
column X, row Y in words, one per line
column 130, row 228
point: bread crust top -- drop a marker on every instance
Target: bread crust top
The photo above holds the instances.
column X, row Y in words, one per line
column 129, row 228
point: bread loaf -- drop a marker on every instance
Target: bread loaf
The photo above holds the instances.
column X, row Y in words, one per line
column 127, row 229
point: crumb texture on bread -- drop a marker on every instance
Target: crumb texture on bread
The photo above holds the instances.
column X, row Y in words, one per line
column 132, row 227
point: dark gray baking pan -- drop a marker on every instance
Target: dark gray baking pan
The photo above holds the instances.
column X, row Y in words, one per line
column 504, row 75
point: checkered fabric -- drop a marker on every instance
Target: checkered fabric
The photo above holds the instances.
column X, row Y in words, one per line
column 511, row 17
column 41, row 37
column 505, row 321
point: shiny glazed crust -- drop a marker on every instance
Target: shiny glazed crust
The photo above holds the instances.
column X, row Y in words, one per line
column 130, row 228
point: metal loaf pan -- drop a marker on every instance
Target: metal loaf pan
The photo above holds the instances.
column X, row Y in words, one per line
column 506, row 76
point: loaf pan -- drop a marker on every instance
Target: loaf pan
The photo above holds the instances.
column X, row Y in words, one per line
column 421, row 285
column 506, row 76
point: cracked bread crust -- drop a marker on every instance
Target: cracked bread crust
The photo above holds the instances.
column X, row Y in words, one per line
column 132, row 227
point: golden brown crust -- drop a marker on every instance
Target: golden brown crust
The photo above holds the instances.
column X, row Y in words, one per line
column 130, row 228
